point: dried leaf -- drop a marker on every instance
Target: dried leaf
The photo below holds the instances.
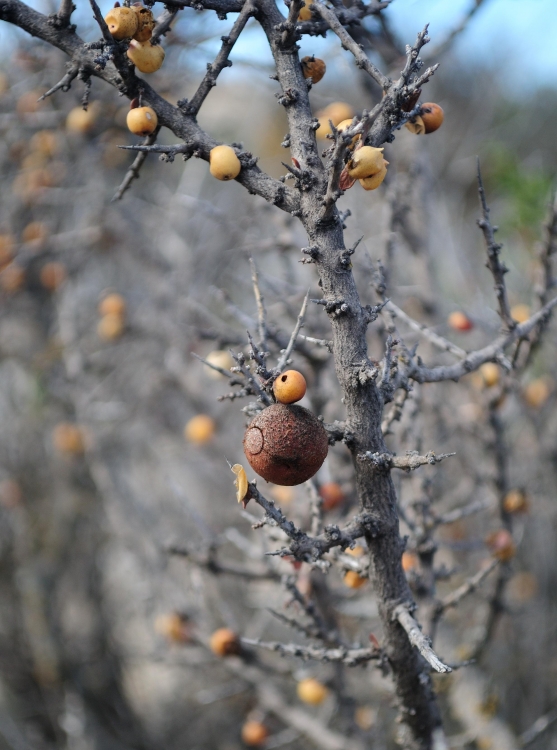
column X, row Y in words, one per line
column 345, row 182
column 241, row 481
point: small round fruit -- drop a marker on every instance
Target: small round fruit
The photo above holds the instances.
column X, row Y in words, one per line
column 332, row 495
column 110, row 327
column 113, row 304
column 121, row 22
column 373, row 182
column 289, row 387
column 311, row 691
column 286, row 444
column 416, row 126
column 142, row 120
column 218, row 358
column 501, row 545
column 200, row 429
column 356, row 552
column 353, row 580
column 409, row 561
column 537, row 392
column 366, row 162
column 336, row 112
column 490, row 374
column 520, row 313
column 224, row 642
column 68, row 438
column 223, row 163
column 458, row 321
column 80, row 120
column 52, row 275
column 146, row 57
column 173, row 626
column 145, row 23
column 35, row 232
column 344, row 125
column 305, row 12
column 314, row 68
column 254, row 733
column 432, row 116
column 12, row 278
column 515, row 501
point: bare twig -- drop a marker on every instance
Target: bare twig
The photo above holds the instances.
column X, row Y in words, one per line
column 410, row 462
column 454, row 599
column 439, row 341
column 418, row 639
column 65, row 82
column 349, row 656
column 261, row 311
column 537, row 728
column 283, row 361
column 133, row 172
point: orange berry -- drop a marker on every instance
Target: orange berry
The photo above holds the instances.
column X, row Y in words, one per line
column 289, row 387
column 68, row 438
column 458, row 321
column 537, row 392
column 110, row 327
column 516, row 501
column 224, row 642
column 200, row 429
column 305, row 12
column 113, row 304
column 432, row 116
column 353, row 580
column 173, row 626
column 254, row 733
column 520, row 313
column 12, row 278
column 409, row 561
column 373, row 182
column 336, row 113
column 501, row 545
column 311, row 691
column 314, row 68
column 52, row 275
column 366, row 162
column 142, row 120
column 356, row 552
column 35, row 232
column 332, row 495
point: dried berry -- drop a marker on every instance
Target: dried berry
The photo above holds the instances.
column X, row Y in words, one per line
column 432, row 116
column 314, row 68
column 145, row 23
column 286, row 444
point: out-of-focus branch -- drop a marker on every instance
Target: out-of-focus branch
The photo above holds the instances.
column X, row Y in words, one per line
column 439, row 341
column 352, row 657
column 443, row 46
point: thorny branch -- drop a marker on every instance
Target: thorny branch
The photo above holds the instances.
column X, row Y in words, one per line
column 352, row 657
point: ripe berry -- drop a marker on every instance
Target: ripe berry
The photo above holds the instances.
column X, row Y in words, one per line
column 289, row 387
column 501, row 545
column 145, row 23
column 142, row 120
column 254, row 733
column 305, row 12
column 342, row 126
column 537, row 392
column 146, row 57
column 458, row 321
column 68, row 438
column 121, row 22
column 219, row 358
column 520, row 313
column 373, row 182
column 200, row 429
column 223, row 163
column 432, row 116
column 311, row 691
column 490, row 374
column 353, row 580
column 174, row 627
column 110, row 327
column 336, row 113
column 80, row 120
column 332, row 495
column 112, row 304
column 224, row 642
column 366, row 162
column 52, row 276
column 409, row 561
column 285, row 444
column 515, row 501
column 314, row 68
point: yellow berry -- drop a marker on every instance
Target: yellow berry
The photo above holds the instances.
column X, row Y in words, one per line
column 223, row 163
column 373, row 182
column 146, row 57
column 537, row 392
column 219, row 358
column 80, row 120
column 342, row 126
column 110, row 327
column 366, row 162
column 173, row 626
column 289, row 387
column 121, row 22
column 68, row 438
column 520, row 313
column 490, row 374
column 305, row 12
column 200, row 429
column 336, row 113
column 311, row 691
column 142, row 120
column 224, row 642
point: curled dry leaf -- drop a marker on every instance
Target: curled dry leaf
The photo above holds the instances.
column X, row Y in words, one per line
column 241, row 481
column 345, row 181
